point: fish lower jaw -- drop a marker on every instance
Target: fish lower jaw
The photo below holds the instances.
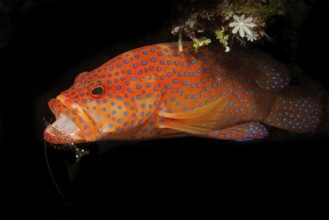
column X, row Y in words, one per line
column 63, row 131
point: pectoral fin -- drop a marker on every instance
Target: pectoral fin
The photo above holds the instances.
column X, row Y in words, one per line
column 199, row 121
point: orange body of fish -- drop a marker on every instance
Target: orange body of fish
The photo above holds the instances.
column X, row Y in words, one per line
column 156, row 91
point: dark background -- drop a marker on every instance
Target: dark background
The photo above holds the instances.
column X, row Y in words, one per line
column 55, row 41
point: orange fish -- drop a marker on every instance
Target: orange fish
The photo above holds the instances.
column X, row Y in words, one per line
column 156, row 91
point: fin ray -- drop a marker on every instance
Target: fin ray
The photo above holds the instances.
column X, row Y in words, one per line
column 195, row 113
column 198, row 121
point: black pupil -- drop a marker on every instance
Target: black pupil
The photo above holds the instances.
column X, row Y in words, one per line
column 97, row 91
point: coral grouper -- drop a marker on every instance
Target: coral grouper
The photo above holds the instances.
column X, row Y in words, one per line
column 156, row 91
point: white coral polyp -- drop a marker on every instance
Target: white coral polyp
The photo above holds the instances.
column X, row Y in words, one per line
column 242, row 25
column 253, row 36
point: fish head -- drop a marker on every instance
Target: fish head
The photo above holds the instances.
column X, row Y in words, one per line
column 93, row 108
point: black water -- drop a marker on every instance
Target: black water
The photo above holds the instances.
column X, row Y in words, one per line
column 57, row 40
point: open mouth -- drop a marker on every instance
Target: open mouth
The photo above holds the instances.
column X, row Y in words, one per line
column 69, row 124
column 63, row 131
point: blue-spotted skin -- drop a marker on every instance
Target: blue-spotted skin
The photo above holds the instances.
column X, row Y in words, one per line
column 140, row 84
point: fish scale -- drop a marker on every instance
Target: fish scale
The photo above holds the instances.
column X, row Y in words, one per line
column 156, row 91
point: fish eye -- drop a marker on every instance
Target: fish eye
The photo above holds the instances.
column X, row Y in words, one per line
column 97, row 91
